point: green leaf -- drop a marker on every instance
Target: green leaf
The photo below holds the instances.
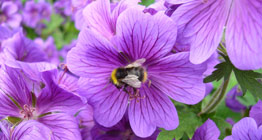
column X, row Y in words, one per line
column 223, row 69
column 147, row 2
column 55, row 22
column 247, row 81
column 30, row 33
column 247, row 100
column 185, row 127
column 223, row 126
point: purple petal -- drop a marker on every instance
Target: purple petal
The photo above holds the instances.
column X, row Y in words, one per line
column 54, row 98
column 13, row 84
column 244, row 34
column 245, row 129
column 177, row 77
column 86, row 121
column 67, row 81
column 80, row 21
column 158, row 6
column 211, row 63
column 230, row 121
column 231, row 100
column 122, row 6
column 155, row 110
column 9, row 8
column 256, row 112
column 14, row 21
column 207, row 131
column 5, row 128
column 178, row 1
column 259, row 133
column 32, row 70
column 5, row 33
column 94, row 56
column 108, row 102
column 209, row 88
column 85, row 117
column 83, row 84
column 98, row 17
column 62, row 126
column 141, row 35
column 22, row 49
column 228, row 138
column 31, row 130
column 48, row 46
column 200, row 26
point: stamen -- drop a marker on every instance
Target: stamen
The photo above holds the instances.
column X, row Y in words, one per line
column 135, row 96
column 27, row 112
column 64, row 67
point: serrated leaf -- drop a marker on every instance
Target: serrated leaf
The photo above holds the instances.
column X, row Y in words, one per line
column 185, row 127
column 247, row 81
column 223, row 69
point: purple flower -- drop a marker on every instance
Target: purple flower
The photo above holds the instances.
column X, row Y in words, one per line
column 139, row 36
column 78, row 7
column 33, row 13
column 246, row 129
column 207, row 131
column 49, row 48
column 25, row 130
column 201, row 26
column 50, row 109
column 20, row 48
column 86, row 121
column 256, row 112
column 120, row 131
column 231, row 99
column 5, row 33
column 230, row 121
column 9, row 15
column 99, row 17
column 64, row 7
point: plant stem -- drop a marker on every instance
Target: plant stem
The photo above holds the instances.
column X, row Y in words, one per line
column 216, row 98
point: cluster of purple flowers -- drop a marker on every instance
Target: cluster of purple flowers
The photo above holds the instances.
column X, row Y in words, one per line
column 164, row 51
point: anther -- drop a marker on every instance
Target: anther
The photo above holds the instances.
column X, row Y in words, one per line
column 27, row 112
column 64, row 67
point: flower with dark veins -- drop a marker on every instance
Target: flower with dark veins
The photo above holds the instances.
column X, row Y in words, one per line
column 140, row 37
column 51, row 109
column 203, row 23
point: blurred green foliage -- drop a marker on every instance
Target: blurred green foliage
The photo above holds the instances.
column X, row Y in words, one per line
column 147, row 2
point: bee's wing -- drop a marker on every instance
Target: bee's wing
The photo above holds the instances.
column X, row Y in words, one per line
column 137, row 63
column 132, row 80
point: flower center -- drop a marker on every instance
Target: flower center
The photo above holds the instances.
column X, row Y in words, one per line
column 27, row 112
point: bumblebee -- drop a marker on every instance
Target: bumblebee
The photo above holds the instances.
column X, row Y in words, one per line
column 132, row 75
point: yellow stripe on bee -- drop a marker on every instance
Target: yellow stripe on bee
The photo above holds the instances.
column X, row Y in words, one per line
column 145, row 77
column 113, row 77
